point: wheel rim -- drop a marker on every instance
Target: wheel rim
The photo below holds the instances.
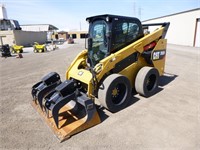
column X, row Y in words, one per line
column 151, row 82
column 118, row 94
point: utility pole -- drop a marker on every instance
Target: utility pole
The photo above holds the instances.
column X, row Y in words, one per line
column 139, row 13
column 134, row 9
column 80, row 25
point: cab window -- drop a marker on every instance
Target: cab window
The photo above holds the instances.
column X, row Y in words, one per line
column 124, row 33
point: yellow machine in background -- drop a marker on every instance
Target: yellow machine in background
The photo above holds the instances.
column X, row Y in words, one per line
column 39, row 48
column 119, row 58
column 16, row 49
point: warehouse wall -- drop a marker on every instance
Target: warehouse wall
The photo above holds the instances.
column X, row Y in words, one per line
column 28, row 37
column 78, row 34
column 182, row 27
column 8, row 37
column 25, row 38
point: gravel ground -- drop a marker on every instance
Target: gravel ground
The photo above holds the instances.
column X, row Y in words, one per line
column 168, row 120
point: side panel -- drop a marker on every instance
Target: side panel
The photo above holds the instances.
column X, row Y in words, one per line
column 158, row 55
column 131, row 71
column 80, row 74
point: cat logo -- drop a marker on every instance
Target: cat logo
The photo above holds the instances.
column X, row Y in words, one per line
column 157, row 55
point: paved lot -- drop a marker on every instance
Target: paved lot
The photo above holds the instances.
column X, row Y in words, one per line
column 169, row 120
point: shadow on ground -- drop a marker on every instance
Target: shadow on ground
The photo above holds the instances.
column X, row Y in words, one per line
column 166, row 79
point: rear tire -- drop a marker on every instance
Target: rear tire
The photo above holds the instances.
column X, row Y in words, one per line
column 146, row 82
column 115, row 92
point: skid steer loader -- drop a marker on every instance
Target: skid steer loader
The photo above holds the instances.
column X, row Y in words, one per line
column 39, row 48
column 119, row 58
column 16, row 48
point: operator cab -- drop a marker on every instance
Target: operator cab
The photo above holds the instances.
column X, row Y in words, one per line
column 110, row 33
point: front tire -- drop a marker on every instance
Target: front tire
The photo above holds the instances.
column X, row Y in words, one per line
column 35, row 50
column 115, row 92
column 146, row 82
column 45, row 49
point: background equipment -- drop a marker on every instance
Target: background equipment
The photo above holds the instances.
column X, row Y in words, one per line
column 39, row 48
column 16, row 49
column 4, row 49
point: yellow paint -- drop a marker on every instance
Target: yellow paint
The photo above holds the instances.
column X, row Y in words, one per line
column 104, row 67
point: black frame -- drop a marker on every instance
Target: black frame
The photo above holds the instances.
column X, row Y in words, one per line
column 111, row 20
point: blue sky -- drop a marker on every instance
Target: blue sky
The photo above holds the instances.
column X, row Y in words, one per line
column 71, row 14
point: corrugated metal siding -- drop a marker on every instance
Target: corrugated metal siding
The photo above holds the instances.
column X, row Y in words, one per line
column 182, row 27
column 35, row 27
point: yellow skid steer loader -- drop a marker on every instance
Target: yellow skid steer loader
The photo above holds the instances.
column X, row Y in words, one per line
column 39, row 48
column 119, row 58
column 16, row 49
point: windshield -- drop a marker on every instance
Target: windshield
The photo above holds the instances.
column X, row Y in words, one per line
column 98, row 42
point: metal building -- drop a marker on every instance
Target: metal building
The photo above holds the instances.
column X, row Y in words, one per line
column 78, row 34
column 38, row 27
column 184, row 27
column 12, row 33
column 48, row 28
column 73, row 34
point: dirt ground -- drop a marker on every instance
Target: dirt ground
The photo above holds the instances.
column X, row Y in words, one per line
column 168, row 120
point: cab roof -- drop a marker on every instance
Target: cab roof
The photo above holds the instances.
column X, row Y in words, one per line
column 111, row 17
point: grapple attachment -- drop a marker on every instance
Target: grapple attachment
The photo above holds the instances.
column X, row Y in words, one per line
column 66, row 110
column 42, row 88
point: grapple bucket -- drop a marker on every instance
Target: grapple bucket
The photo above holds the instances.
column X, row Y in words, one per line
column 66, row 110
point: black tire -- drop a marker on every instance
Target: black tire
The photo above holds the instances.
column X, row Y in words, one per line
column 115, row 92
column 146, row 82
column 12, row 50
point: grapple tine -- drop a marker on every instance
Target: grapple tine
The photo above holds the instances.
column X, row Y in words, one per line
column 47, row 84
column 34, row 91
column 88, row 105
column 44, row 92
column 59, row 105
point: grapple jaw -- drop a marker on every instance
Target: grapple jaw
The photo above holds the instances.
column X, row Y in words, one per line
column 66, row 110
column 42, row 88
